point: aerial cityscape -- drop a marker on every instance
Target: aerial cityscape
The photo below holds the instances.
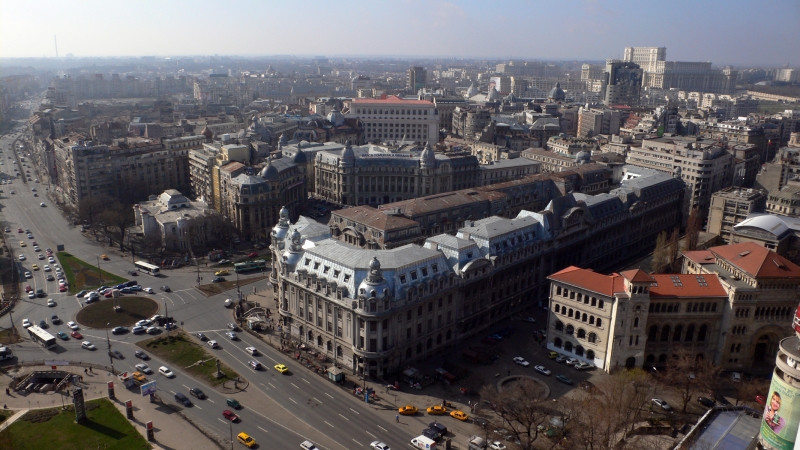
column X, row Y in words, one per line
column 516, row 225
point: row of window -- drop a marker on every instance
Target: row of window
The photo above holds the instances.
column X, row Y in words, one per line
column 660, row 307
column 578, row 350
column 581, row 334
column 677, row 334
column 577, row 315
column 585, row 298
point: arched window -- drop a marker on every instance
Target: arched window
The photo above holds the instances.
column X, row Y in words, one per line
column 557, row 342
column 559, row 325
column 599, row 322
column 591, row 320
column 651, row 335
column 592, row 338
column 319, row 341
column 556, row 308
column 579, row 350
column 701, row 333
column 665, row 333
column 584, row 317
column 329, row 346
column 570, row 329
column 568, row 346
column 569, row 314
column 676, row 336
column 636, row 322
column 581, row 333
column 590, row 354
column 689, row 333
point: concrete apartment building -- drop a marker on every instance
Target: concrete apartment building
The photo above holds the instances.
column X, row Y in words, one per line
column 377, row 310
column 622, row 83
column 705, row 167
column 731, row 206
column 717, row 308
column 595, row 121
column 393, row 119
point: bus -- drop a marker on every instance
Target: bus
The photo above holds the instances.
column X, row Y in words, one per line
column 249, row 266
column 42, row 337
column 147, row 268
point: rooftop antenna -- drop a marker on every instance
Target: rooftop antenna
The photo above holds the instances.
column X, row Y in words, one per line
column 55, row 40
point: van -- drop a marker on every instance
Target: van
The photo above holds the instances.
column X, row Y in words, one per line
column 423, row 443
column 246, row 440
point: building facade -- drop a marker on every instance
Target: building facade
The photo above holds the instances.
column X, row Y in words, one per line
column 731, row 206
column 393, row 119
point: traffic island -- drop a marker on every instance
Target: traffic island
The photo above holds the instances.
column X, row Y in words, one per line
column 182, row 351
column 131, row 309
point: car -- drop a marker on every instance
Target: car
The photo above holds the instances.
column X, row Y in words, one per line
column 164, row 370
column 43, row 324
column 437, row 410
column 35, row 267
column 26, row 323
column 460, row 415
column 119, row 330
column 130, row 283
column 40, row 204
column 565, row 379
column 542, row 370
column 707, row 402
column 141, row 355
column 108, row 293
column 50, row 277
column 230, row 415
column 153, row 330
column 116, row 354
column 81, row 294
column 246, row 440
column 46, row 268
column 233, row 327
column 126, row 290
column 252, row 255
column 88, row 345
column 21, row 257
column 571, row 361
column 54, row 319
column 31, row 294
column 165, row 288
column 144, row 323
column 196, row 392
column 281, row 368
column 378, row 445
column 521, row 361
column 223, row 261
column 233, row 403
column 51, row 260
column 218, row 279
column 662, row 404
column 62, row 288
column 213, row 344
column 201, row 336
column 497, row 445
column 19, row 230
column 142, row 367
column 140, row 377
column 76, row 335
column 28, row 288
column 255, row 364
column 441, row 429
column 22, row 244
column 72, row 325
column 232, row 335
column 252, row 350
column 104, row 257
column 183, row 399
column 39, row 256
column 407, row 410
column 561, row 359
column 583, row 366
column 149, row 290
column 222, row 272
column 529, row 319
column 138, row 329
column 63, row 336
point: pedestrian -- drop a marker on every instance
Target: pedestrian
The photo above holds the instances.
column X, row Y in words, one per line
column 85, row 370
column 8, row 392
column 397, row 418
column 509, row 372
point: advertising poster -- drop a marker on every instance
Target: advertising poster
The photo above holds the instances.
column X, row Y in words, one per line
column 781, row 415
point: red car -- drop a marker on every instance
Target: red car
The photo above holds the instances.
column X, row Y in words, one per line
column 76, row 335
column 19, row 230
column 28, row 288
column 230, row 415
column 253, row 255
column 62, row 288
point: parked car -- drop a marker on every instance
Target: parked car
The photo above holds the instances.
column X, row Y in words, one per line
column 119, row 330
column 707, row 402
column 571, row 361
column 564, row 379
column 138, row 329
column 542, row 370
column 662, row 404
column 201, row 336
column 213, row 344
column 583, row 366
column 521, row 361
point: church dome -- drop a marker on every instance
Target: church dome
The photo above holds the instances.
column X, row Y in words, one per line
column 300, row 157
column 348, row 156
column 374, row 285
column 557, row 93
column 269, row 172
column 427, row 157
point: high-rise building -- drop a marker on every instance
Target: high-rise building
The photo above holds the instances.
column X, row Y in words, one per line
column 622, row 83
column 415, row 79
column 731, row 206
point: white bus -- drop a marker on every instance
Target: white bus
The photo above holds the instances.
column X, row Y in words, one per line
column 44, row 338
column 146, row 267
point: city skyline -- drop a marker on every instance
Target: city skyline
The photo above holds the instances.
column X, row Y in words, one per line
column 716, row 31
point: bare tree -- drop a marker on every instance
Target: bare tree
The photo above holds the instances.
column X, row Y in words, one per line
column 520, row 409
column 692, row 229
column 674, row 251
column 690, row 374
column 660, row 252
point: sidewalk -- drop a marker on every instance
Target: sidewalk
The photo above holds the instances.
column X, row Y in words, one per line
column 182, row 434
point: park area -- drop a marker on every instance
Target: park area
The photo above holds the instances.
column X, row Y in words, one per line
column 181, row 351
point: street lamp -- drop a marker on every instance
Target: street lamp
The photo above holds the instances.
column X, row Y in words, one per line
column 108, row 341
column 99, row 272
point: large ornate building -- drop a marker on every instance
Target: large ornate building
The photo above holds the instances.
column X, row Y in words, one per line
column 726, row 306
column 393, row 119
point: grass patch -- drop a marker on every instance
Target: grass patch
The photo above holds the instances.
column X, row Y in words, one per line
column 82, row 275
column 218, row 288
column 180, row 350
column 132, row 309
column 5, row 415
column 104, row 428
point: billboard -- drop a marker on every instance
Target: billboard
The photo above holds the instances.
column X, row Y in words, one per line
column 149, row 388
column 781, row 415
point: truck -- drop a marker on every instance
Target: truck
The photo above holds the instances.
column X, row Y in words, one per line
column 476, row 443
column 423, row 443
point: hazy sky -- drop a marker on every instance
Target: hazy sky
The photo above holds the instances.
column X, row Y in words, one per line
column 721, row 31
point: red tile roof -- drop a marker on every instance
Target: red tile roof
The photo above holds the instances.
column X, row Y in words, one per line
column 637, row 276
column 607, row 285
column 700, row 256
column 374, row 218
column 756, row 260
column 392, row 99
column 686, row 285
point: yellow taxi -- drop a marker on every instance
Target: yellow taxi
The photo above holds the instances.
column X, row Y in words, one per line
column 437, row 410
column 246, row 440
column 22, row 244
column 281, row 368
column 104, row 257
column 408, row 410
column 460, row 415
column 35, row 267
column 222, row 272
column 139, row 376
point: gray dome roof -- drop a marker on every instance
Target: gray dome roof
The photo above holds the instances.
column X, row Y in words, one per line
column 269, row 172
column 374, row 285
column 557, row 93
column 300, row 157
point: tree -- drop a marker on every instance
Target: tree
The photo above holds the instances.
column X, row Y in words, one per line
column 692, row 229
column 520, row 408
column 116, row 219
column 659, row 260
column 674, row 250
column 690, row 374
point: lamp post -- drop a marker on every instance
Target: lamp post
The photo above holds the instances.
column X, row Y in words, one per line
column 99, row 272
column 108, row 341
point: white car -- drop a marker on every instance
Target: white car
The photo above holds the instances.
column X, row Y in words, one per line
column 88, row 345
column 542, row 370
column 378, row 445
column 39, row 256
column 252, row 350
column 213, row 344
column 51, row 260
column 164, row 370
column 21, row 257
column 28, row 275
column 153, row 330
column 144, row 323
column 521, row 361
column 46, row 268
column 72, row 325
column 571, row 361
column 144, row 368
column 497, row 445
column 149, row 290
column 232, row 335
column 51, row 302
column 583, row 366
column 26, row 323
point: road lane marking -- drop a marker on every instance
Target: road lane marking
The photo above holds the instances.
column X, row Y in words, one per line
column 212, row 401
column 223, row 421
column 292, row 400
column 273, row 386
column 359, row 443
column 343, row 417
column 317, row 400
column 373, row 436
column 351, row 409
column 306, row 380
column 265, row 431
column 384, row 429
column 195, row 405
column 329, row 424
column 298, row 387
column 329, row 395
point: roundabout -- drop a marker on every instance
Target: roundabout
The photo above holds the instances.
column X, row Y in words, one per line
column 128, row 311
